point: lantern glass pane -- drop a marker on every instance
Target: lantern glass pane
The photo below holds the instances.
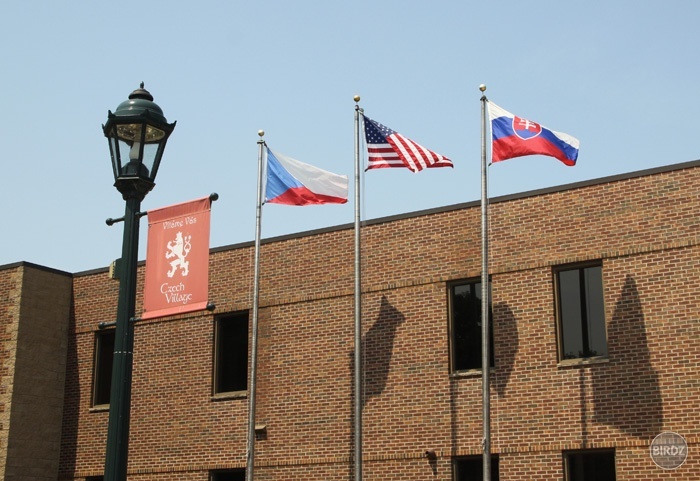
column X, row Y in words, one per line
column 132, row 132
column 153, row 134
column 149, row 156
column 114, row 152
column 130, row 162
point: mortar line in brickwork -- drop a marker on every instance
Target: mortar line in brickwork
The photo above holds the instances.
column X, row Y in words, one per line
column 652, row 248
column 343, row 460
column 495, row 270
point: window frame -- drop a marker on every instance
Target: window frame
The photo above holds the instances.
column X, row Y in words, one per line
column 452, row 330
column 217, row 373
column 98, row 371
column 566, row 459
column 214, row 475
column 589, row 353
column 495, row 466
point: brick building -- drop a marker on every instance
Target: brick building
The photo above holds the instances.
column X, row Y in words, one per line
column 596, row 342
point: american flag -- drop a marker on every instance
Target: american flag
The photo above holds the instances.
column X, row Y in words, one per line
column 387, row 148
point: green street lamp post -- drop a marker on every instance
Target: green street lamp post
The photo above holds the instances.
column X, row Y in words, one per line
column 137, row 132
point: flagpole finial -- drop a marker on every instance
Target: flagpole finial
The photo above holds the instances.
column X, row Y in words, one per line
column 482, row 87
column 356, row 98
column 261, row 133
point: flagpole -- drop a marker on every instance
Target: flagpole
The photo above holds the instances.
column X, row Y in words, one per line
column 250, row 450
column 485, row 344
column 358, row 303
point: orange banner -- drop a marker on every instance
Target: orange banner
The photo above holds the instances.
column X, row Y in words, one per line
column 177, row 259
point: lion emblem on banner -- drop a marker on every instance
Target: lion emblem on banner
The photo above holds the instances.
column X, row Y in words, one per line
column 179, row 249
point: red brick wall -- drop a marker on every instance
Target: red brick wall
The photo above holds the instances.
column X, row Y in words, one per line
column 85, row 432
column 10, row 290
column 35, row 310
column 645, row 230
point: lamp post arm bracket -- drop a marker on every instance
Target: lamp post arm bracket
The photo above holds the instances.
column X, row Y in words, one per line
column 110, row 222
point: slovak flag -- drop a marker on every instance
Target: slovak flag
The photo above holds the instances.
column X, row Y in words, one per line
column 291, row 182
column 515, row 136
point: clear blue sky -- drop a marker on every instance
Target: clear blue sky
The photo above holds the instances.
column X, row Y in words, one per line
column 620, row 76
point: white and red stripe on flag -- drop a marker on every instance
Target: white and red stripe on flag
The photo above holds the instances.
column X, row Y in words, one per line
column 387, row 148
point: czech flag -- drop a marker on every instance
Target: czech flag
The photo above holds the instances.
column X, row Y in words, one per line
column 291, row 182
column 515, row 136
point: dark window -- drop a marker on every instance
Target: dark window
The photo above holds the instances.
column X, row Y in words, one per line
column 581, row 312
column 232, row 475
column 102, row 377
column 465, row 325
column 95, row 478
column 590, row 466
column 231, row 353
column 472, row 469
